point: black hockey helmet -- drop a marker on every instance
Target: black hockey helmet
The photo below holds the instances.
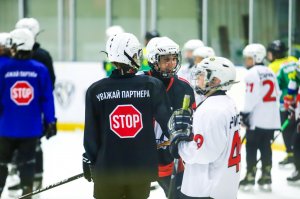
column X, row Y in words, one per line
column 151, row 34
column 278, row 49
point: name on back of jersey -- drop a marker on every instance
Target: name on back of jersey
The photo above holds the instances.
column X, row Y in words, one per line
column 265, row 75
column 235, row 121
column 20, row 74
column 117, row 94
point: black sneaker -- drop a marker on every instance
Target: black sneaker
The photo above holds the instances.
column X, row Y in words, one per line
column 294, row 177
column 287, row 160
column 265, row 179
column 248, row 182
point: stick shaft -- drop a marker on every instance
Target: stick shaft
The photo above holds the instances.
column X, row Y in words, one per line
column 52, row 186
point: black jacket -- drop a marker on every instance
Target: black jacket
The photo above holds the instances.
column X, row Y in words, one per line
column 114, row 157
column 45, row 58
column 176, row 88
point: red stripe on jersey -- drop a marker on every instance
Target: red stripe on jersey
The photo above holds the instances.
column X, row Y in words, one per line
column 182, row 79
column 170, row 84
column 165, row 170
column 194, row 106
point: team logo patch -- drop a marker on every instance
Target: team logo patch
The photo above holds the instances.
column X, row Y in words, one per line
column 126, row 121
column 22, row 93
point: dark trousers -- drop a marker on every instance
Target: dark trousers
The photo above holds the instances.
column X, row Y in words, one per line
column 288, row 133
column 25, row 158
column 39, row 165
column 165, row 185
column 296, row 150
column 108, row 190
column 258, row 139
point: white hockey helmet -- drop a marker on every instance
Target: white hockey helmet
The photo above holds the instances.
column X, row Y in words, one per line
column 214, row 67
column 160, row 46
column 204, row 52
column 5, row 39
column 22, row 39
column 31, row 24
column 124, row 48
column 113, row 30
column 193, row 44
column 256, row 51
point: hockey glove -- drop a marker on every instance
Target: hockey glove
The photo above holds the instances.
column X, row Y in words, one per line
column 245, row 119
column 176, row 137
column 50, row 130
column 87, row 168
column 180, row 120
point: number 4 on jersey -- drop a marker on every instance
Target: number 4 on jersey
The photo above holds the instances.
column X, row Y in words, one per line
column 235, row 153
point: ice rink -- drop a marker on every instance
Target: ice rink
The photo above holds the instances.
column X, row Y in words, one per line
column 63, row 152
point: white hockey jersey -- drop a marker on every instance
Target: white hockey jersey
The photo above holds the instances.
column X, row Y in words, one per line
column 212, row 160
column 262, row 98
column 185, row 72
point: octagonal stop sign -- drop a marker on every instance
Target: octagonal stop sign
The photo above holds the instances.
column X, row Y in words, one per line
column 126, row 121
column 21, row 93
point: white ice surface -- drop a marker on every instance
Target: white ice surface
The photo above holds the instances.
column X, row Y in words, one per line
column 62, row 159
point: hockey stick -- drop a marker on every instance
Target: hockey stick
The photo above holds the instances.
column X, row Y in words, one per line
column 283, row 127
column 52, row 186
column 172, row 186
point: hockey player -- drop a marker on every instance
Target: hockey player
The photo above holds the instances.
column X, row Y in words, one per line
column 283, row 66
column 41, row 55
column 164, row 60
column 5, row 41
column 188, row 49
column 198, row 55
column 25, row 97
column 38, row 53
column 293, row 106
column 201, row 53
column 260, row 114
column 111, row 31
column 149, row 35
column 212, row 155
column 119, row 137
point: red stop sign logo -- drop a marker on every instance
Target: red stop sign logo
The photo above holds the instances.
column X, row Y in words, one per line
column 126, row 121
column 21, row 93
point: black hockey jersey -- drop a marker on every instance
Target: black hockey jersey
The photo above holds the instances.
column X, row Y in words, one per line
column 176, row 88
column 119, row 135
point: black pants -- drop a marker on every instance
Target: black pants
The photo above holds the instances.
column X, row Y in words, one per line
column 259, row 139
column 296, row 150
column 39, row 165
column 108, row 190
column 165, row 185
column 288, row 133
column 25, row 158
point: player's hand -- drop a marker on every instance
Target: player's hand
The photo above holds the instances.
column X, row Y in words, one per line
column 288, row 100
column 180, row 120
column 291, row 113
column 245, row 119
column 50, row 130
column 87, row 168
column 176, row 137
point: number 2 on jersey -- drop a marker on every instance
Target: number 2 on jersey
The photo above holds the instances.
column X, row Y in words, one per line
column 235, row 153
column 268, row 97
